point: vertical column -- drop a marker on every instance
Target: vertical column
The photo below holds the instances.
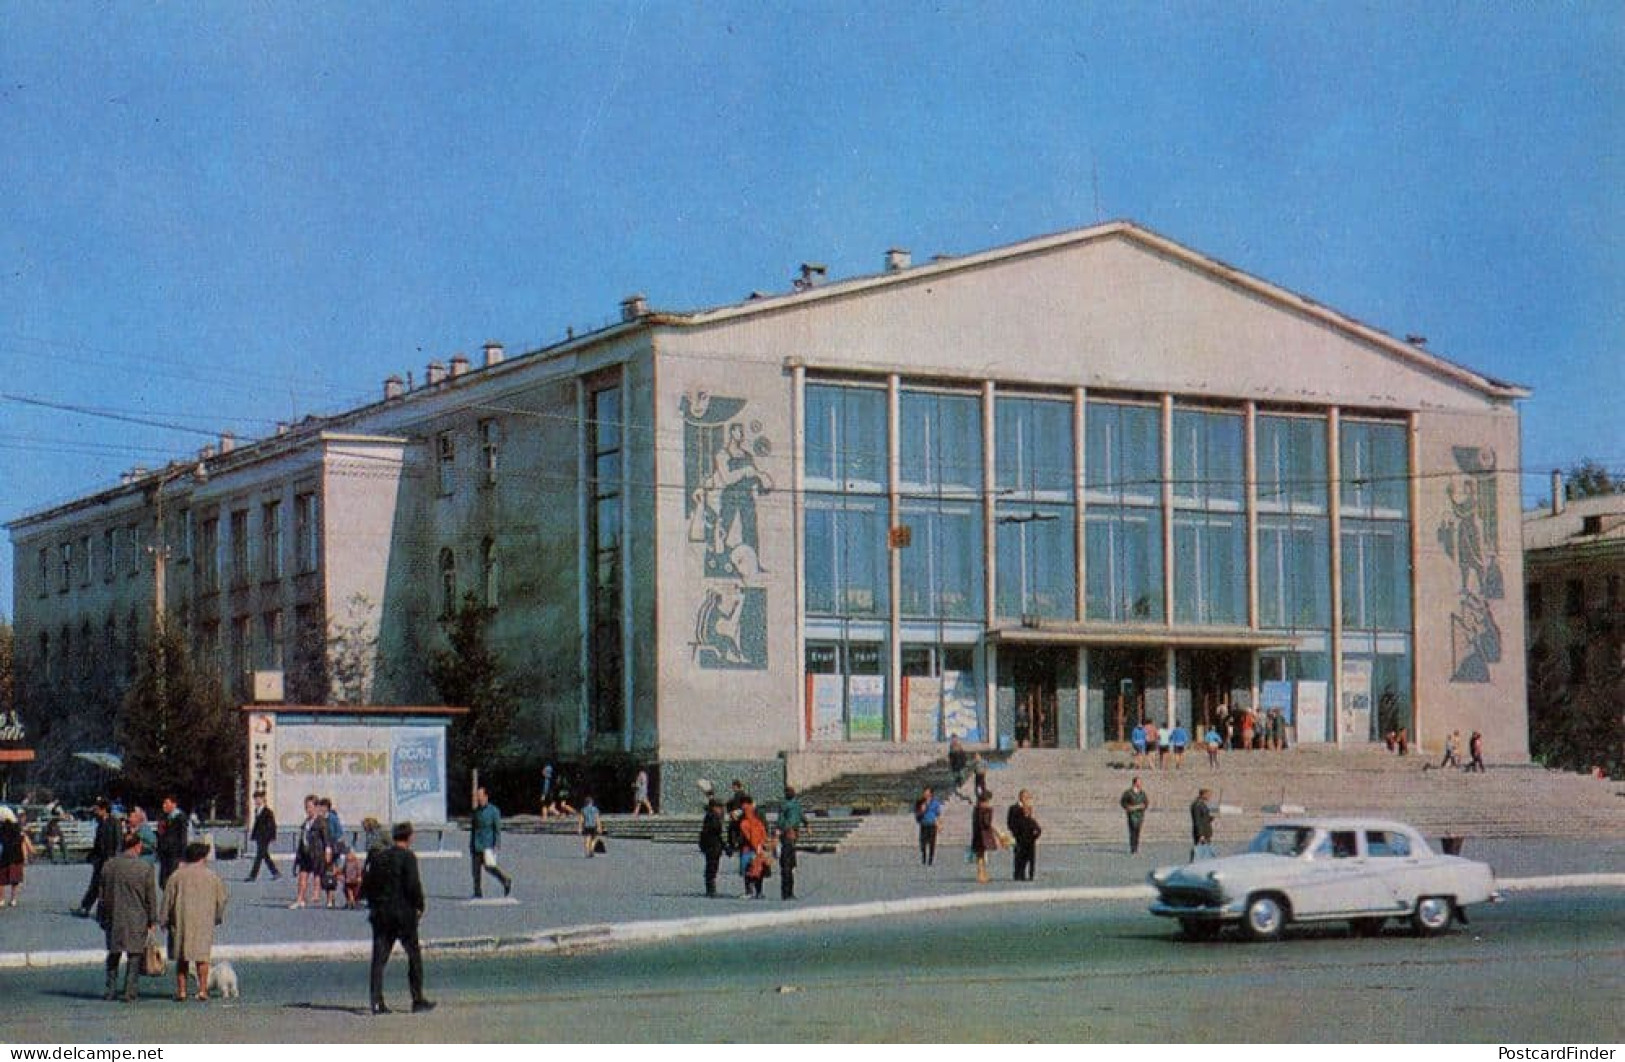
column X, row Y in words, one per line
column 894, row 560
column 583, row 568
column 1168, row 515
column 990, row 582
column 1170, row 682
column 798, row 565
column 1334, row 511
column 1080, row 555
column 1250, row 457
column 1083, row 697
column 1413, row 480
column 629, row 648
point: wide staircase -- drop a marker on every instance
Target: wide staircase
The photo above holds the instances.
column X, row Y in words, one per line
column 1077, row 791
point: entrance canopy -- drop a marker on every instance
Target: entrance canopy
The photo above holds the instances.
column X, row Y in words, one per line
column 1059, row 632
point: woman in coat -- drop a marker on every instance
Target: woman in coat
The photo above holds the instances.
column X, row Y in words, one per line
column 194, row 903
column 984, row 838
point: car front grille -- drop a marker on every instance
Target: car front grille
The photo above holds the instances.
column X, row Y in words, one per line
column 1188, row 897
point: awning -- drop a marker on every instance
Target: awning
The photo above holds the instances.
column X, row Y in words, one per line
column 1060, row 632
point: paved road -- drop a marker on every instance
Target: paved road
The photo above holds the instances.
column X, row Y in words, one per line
column 1544, row 967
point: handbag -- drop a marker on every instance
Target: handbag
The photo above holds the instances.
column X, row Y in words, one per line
column 152, row 957
column 489, row 857
column 598, row 846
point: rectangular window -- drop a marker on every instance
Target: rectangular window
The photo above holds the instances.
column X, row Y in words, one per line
column 271, row 652
column 65, row 572
column 940, row 444
column 1210, row 568
column 1124, row 562
column 607, row 592
column 1033, row 448
column 271, row 540
column 1376, row 575
column 1037, row 563
column 307, row 533
column 109, row 554
column 44, row 571
column 942, row 565
column 490, row 444
column 1123, row 453
column 208, row 569
column 1209, row 460
column 82, row 558
column 239, row 547
column 446, row 461
column 136, row 536
column 241, row 647
column 1374, row 468
column 846, row 555
column 1574, row 597
column 1292, row 464
column 846, row 443
column 1294, row 572
column 184, row 531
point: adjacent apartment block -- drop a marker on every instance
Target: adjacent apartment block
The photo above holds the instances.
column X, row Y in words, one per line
column 1025, row 497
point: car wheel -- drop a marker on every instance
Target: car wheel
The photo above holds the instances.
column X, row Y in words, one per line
column 1199, row 928
column 1368, row 927
column 1265, row 918
column 1432, row 916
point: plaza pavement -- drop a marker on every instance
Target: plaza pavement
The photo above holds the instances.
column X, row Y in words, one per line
column 642, row 891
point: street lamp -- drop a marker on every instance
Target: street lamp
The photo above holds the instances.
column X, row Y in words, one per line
column 171, row 472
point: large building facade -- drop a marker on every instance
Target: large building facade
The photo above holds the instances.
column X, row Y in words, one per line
column 1024, row 497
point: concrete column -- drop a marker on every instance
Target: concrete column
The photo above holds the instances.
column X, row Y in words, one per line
column 1171, row 683
column 1080, row 564
column 798, row 567
column 1083, row 697
column 1168, row 513
column 583, row 564
column 894, row 560
column 1250, row 454
column 629, row 647
column 989, row 554
column 1334, row 511
column 1413, row 482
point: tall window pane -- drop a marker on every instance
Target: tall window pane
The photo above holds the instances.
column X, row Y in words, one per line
column 1124, row 555
column 1036, row 562
column 1033, row 447
column 942, row 565
column 846, row 437
column 941, row 443
column 1292, row 470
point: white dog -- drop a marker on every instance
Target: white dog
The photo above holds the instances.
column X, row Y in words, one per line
column 223, row 980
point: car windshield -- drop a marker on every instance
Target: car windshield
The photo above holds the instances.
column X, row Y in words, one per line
column 1282, row 840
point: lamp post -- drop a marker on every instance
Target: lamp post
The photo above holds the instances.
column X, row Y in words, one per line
column 160, row 544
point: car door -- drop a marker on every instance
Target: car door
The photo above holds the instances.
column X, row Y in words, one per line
column 1339, row 880
column 1399, row 867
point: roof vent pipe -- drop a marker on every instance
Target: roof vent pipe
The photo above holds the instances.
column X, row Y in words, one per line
column 228, row 442
column 1557, row 492
column 434, row 372
column 898, row 260
column 282, row 427
column 812, row 274
column 394, row 387
column 459, row 364
column 493, row 353
column 633, row 307
column 205, row 451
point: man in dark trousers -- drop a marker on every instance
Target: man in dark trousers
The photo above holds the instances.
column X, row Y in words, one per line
column 484, row 838
column 105, row 846
column 1134, row 802
column 128, row 911
column 736, row 804
column 394, row 893
column 263, row 834
column 171, row 840
column 1024, row 830
column 1202, row 826
column 711, row 843
column 787, row 863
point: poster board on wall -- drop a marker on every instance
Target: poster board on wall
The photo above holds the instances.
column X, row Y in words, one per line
column 866, row 702
column 824, row 699
column 922, row 698
column 1355, row 717
column 961, row 706
column 1311, row 702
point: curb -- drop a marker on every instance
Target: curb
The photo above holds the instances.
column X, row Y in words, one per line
column 593, row 936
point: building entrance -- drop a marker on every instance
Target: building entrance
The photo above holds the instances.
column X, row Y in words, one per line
column 1130, row 684
column 1033, row 675
column 1216, row 681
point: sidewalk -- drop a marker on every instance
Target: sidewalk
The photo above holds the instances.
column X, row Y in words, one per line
column 640, row 890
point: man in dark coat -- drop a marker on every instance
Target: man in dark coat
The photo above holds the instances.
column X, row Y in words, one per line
column 711, row 834
column 1202, row 825
column 263, row 834
column 171, row 840
column 736, row 804
column 394, row 893
column 1024, row 830
column 1134, row 802
column 105, row 846
column 128, row 911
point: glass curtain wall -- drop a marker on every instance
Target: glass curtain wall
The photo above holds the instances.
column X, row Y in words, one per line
column 847, row 585
column 1036, row 507
column 940, row 483
column 1123, row 518
column 1210, row 522
column 1376, row 576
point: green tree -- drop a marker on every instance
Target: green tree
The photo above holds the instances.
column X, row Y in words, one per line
column 468, row 675
column 178, row 731
column 1589, row 479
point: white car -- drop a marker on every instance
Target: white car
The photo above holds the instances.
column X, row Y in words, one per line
column 1363, row 871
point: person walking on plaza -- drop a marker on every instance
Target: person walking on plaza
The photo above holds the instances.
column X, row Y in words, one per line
column 927, row 810
column 711, row 844
column 106, row 845
column 792, row 816
column 1213, row 742
column 172, row 836
column 752, row 841
column 1202, row 815
column 14, row 852
column 1023, row 827
column 263, row 834
column 1134, row 802
column 984, row 838
column 787, row 863
column 1178, row 738
column 1136, row 741
column 394, row 894
column 314, row 853
column 640, row 794
column 590, row 824
column 1152, row 737
column 128, row 912
column 1475, row 752
column 484, row 838
column 1452, row 751
column 194, row 903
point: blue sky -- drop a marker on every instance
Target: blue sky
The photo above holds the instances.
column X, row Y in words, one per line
column 219, row 216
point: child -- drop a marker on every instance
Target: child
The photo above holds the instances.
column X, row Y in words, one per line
column 589, row 825
column 759, row 869
column 352, row 880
